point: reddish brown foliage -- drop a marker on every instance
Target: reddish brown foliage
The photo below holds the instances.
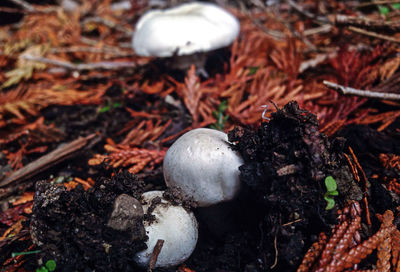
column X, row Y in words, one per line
column 391, row 162
column 20, row 102
column 123, row 156
column 12, row 215
column 344, row 249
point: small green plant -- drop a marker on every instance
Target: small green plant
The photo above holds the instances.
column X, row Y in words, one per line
column 385, row 10
column 219, row 115
column 253, row 70
column 49, row 266
column 15, row 254
column 331, row 191
column 109, row 106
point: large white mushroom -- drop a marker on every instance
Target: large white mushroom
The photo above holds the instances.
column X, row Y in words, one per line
column 203, row 165
column 184, row 30
column 173, row 224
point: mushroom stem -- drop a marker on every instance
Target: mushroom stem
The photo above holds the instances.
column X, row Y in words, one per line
column 220, row 219
column 185, row 61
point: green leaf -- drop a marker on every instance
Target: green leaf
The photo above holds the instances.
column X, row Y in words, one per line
column 117, row 105
column 330, row 203
column 396, row 5
column 384, row 10
column 105, row 108
column 332, row 193
column 42, row 269
column 330, row 184
column 51, row 265
column 219, row 116
column 253, row 70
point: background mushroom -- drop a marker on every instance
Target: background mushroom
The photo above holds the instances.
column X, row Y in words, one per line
column 173, row 224
column 187, row 31
column 202, row 164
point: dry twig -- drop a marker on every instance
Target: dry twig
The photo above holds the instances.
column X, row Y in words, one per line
column 378, row 2
column 24, row 5
column 156, row 251
column 373, row 34
column 363, row 93
column 106, row 65
column 342, row 19
column 48, row 160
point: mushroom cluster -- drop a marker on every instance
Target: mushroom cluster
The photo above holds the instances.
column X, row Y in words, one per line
column 202, row 165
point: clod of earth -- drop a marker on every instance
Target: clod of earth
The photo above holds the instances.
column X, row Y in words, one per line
column 174, row 225
column 202, row 164
column 78, row 228
column 285, row 163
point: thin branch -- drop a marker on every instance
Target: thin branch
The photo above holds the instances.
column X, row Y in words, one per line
column 48, row 160
column 382, row 2
column 317, row 30
column 24, row 5
column 311, row 63
column 373, row 34
column 362, row 93
column 106, row 50
column 154, row 256
column 11, row 10
column 28, row 8
column 106, row 65
column 341, row 19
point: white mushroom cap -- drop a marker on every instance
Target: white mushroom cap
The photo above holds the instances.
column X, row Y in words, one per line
column 185, row 29
column 202, row 164
column 176, row 226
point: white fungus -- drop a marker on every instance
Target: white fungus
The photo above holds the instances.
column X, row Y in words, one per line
column 185, row 29
column 202, row 164
column 173, row 224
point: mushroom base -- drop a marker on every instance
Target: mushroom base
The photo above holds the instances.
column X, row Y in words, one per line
column 184, row 62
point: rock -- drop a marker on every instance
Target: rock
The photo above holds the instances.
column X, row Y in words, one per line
column 127, row 215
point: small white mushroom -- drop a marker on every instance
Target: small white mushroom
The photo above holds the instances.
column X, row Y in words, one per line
column 184, row 29
column 173, row 224
column 202, row 164
column 186, row 33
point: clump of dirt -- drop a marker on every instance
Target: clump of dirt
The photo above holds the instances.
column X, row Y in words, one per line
column 177, row 198
column 371, row 147
column 72, row 227
column 285, row 164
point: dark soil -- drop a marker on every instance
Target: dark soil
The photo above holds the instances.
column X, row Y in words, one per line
column 71, row 226
column 286, row 163
column 278, row 215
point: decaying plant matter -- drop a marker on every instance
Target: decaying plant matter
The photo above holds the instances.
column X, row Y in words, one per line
column 124, row 156
column 345, row 250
